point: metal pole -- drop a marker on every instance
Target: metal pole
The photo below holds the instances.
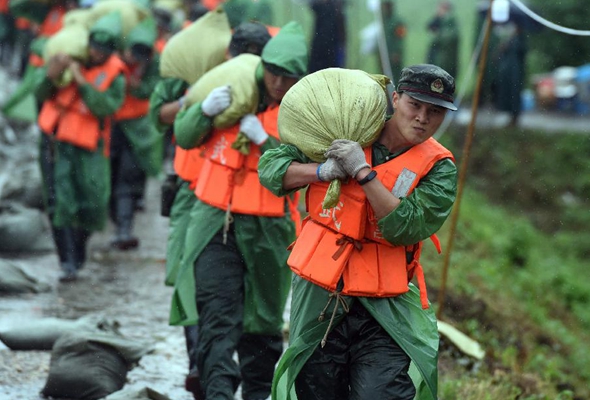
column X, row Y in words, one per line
column 464, row 162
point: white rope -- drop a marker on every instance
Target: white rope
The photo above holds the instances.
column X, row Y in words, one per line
column 548, row 24
column 472, row 63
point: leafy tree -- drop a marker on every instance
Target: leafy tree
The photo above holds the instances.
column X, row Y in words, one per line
column 549, row 49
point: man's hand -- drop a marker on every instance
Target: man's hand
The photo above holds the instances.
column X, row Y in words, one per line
column 217, row 101
column 253, row 129
column 349, row 155
column 77, row 73
column 57, row 65
column 330, row 170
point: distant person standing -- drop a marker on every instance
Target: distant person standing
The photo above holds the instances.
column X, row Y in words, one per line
column 444, row 49
column 510, row 57
column 76, row 124
column 136, row 145
column 328, row 34
column 395, row 33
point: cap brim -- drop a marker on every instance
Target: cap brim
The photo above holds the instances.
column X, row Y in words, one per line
column 276, row 70
column 432, row 100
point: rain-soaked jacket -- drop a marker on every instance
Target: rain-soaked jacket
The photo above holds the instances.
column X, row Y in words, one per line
column 82, row 177
column 132, row 117
column 403, row 317
column 288, row 51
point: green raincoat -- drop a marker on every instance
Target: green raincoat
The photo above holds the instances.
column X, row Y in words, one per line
column 413, row 328
column 395, row 32
column 146, row 141
column 168, row 90
column 22, row 104
column 444, row 48
column 261, row 315
column 82, row 178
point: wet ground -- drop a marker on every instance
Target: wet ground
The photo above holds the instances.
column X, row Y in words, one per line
column 125, row 286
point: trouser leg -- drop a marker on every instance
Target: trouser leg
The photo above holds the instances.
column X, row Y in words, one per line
column 128, row 181
column 62, row 236
column 80, row 237
column 191, row 335
column 258, row 355
column 192, row 382
column 359, row 361
column 219, row 280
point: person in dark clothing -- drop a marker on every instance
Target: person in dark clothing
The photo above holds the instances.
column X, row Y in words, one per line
column 328, row 35
column 510, row 56
column 444, row 48
column 136, row 145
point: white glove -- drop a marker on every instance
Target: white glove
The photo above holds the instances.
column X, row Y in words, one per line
column 252, row 128
column 330, row 170
column 217, row 101
column 349, row 154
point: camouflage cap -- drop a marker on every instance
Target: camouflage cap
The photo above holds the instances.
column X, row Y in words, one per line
column 428, row 83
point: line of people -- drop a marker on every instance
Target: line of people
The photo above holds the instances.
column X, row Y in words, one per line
column 231, row 231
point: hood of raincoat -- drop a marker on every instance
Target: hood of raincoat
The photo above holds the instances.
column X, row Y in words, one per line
column 108, row 30
column 287, row 50
column 144, row 33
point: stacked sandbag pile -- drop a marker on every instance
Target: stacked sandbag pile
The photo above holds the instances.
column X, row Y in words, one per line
column 331, row 104
column 23, row 227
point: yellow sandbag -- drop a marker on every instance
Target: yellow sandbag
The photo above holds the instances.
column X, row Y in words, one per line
column 71, row 40
column 131, row 13
column 195, row 50
column 240, row 74
column 81, row 16
column 331, row 104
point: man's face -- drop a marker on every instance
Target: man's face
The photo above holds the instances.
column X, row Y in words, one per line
column 96, row 56
column 277, row 85
column 416, row 120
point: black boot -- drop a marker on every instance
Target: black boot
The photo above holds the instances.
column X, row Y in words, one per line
column 80, row 237
column 69, row 272
column 124, row 240
column 66, row 250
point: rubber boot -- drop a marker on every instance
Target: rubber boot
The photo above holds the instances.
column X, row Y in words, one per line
column 80, row 237
column 64, row 242
column 124, row 240
column 192, row 382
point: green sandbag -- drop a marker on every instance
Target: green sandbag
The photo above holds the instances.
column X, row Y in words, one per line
column 193, row 51
column 81, row 16
column 71, row 40
column 131, row 13
column 240, row 74
column 331, row 104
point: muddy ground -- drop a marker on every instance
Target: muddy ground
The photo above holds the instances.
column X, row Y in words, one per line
column 125, row 286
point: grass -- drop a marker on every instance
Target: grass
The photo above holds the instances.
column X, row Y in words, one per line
column 516, row 281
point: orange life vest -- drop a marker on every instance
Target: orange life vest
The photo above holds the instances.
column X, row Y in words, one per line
column 229, row 178
column 22, row 23
column 188, row 164
column 35, row 60
column 53, row 22
column 132, row 107
column 67, row 116
column 345, row 241
column 4, row 9
column 159, row 44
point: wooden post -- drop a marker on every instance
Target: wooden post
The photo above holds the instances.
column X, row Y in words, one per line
column 464, row 162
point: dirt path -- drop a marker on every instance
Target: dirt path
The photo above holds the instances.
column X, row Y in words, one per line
column 125, row 286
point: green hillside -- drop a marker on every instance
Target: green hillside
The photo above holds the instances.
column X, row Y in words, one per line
column 518, row 273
